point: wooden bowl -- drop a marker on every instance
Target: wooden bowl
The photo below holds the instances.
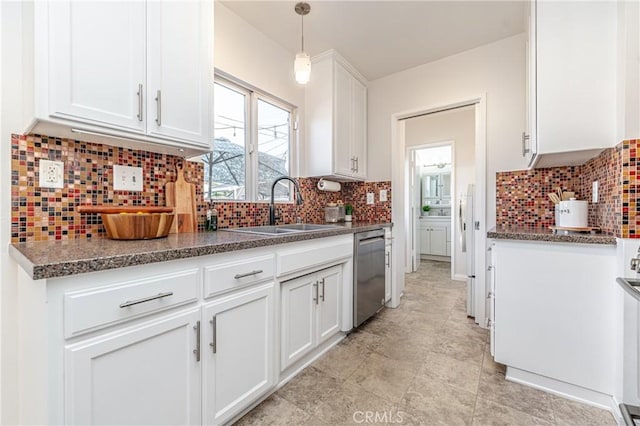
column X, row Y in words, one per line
column 137, row 226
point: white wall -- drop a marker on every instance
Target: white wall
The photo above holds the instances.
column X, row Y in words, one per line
column 11, row 120
column 497, row 69
column 459, row 126
column 249, row 55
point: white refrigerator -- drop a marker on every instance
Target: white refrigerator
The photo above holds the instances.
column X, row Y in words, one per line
column 465, row 219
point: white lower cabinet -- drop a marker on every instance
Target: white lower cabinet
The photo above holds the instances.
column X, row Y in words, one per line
column 239, row 348
column 310, row 309
column 148, row 374
column 387, row 272
column 433, row 240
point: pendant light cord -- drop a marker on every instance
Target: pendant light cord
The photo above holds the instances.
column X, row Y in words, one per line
column 302, row 38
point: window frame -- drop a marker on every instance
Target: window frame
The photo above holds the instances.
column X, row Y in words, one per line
column 252, row 96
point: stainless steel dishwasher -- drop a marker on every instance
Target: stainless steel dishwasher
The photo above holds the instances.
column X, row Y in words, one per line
column 368, row 275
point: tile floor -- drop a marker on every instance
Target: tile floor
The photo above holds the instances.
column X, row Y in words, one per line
column 424, row 363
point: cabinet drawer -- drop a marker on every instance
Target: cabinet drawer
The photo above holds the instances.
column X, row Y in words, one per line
column 231, row 275
column 316, row 254
column 93, row 309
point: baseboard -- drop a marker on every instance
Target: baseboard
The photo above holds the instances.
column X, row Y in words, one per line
column 436, row 258
column 460, row 277
column 563, row 389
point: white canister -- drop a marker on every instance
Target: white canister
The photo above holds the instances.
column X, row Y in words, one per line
column 574, row 213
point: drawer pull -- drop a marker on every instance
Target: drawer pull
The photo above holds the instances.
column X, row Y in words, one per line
column 196, row 351
column 145, row 299
column 248, row 274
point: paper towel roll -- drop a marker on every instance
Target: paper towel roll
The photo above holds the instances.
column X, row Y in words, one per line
column 328, row 185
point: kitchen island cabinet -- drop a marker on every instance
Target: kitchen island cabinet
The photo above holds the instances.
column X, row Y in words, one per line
column 553, row 316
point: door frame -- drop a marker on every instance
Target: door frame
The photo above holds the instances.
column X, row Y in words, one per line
column 400, row 214
column 412, row 264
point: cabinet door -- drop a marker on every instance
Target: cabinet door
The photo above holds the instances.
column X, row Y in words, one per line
column 239, row 347
column 97, row 62
column 529, row 139
column 298, row 337
column 430, row 188
column 445, row 187
column 425, row 241
column 329, row 306
column 359, row 127
column 141, row 375
column 387, row 273
column 343, row 159
column 180, row 74
column 438, row 240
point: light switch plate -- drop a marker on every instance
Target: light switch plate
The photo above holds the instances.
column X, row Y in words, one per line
column 51, row 174
column 383, row 195
column 127, row 178
column 594, row 193
column 370, row 197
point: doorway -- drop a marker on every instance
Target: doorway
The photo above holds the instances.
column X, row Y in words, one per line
column 401, row 211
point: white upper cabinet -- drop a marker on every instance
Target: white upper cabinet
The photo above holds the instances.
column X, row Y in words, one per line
column 179, row 75
column 336, row 110
column 133, row 74
column 97, row 62
column 572, row 81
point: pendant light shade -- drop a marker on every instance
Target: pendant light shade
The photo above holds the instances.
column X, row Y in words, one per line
column 302, row 64
column 302, row 68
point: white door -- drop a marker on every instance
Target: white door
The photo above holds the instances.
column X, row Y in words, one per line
column 359, row 127
column 328, row 307
column 180, row 72
column 343, row 160
column 438, row 240
column 298, row 335
column 414, row 240
column 97, row 63
column 238, row 349
column 147, row 374
column 425, row 240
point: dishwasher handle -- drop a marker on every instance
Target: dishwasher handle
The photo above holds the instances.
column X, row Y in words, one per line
column 371, row 240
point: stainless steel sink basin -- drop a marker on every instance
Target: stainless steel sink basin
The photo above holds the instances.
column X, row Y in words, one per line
column 282, row 229
column 631, row 286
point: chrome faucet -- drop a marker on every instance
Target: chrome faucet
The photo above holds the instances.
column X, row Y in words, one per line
column 272, row 206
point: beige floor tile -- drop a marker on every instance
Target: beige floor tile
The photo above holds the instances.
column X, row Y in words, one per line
column 568, row 413
column 384, row 377
column 354, row 405
column 309, row 389
column 342, row 361
column 462, row 350
column 455, row 373
column 490, row 413
column 275, row 410
column 361, row 339
column 489, row 365
column 534, row 402
column 433, row 401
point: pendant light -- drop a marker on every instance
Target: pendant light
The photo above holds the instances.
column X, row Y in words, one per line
column 302, row 64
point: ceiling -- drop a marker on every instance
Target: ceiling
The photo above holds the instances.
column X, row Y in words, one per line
column 383, row 37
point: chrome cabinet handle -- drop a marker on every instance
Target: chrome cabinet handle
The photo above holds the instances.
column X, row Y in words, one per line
column 386, row 262
column 322, row 289
column 248, row 274
column 197, row 349
column 356, row 159
column 145, row 299
column 525, row 138
column 315, row 285
column 353, row 164
column 159, row 108
column 214, row 343
column 489, row 268
column 140, row 102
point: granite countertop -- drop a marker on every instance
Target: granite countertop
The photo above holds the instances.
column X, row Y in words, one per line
column 545, row 234
column 50, row 259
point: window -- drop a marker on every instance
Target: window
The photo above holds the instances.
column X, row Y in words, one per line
column 252, row 145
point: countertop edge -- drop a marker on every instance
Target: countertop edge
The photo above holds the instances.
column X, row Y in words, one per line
column 531, row 235
column 45, row 270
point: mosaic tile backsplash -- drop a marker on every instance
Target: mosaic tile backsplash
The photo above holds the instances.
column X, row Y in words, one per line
column 522, row 200
column 40, row 214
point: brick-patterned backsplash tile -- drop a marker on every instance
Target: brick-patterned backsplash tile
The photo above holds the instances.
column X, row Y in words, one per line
column 39, row 214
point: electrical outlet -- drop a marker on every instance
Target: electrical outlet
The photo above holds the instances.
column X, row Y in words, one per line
column 127, row 178
column 370, row 197
column 594, row 194
column 51, row 174
column 383, row 195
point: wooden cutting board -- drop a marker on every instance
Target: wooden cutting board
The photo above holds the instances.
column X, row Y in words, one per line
column 181, row 195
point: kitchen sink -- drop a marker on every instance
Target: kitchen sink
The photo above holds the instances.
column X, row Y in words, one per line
column 631, row 286
column 282, row 229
